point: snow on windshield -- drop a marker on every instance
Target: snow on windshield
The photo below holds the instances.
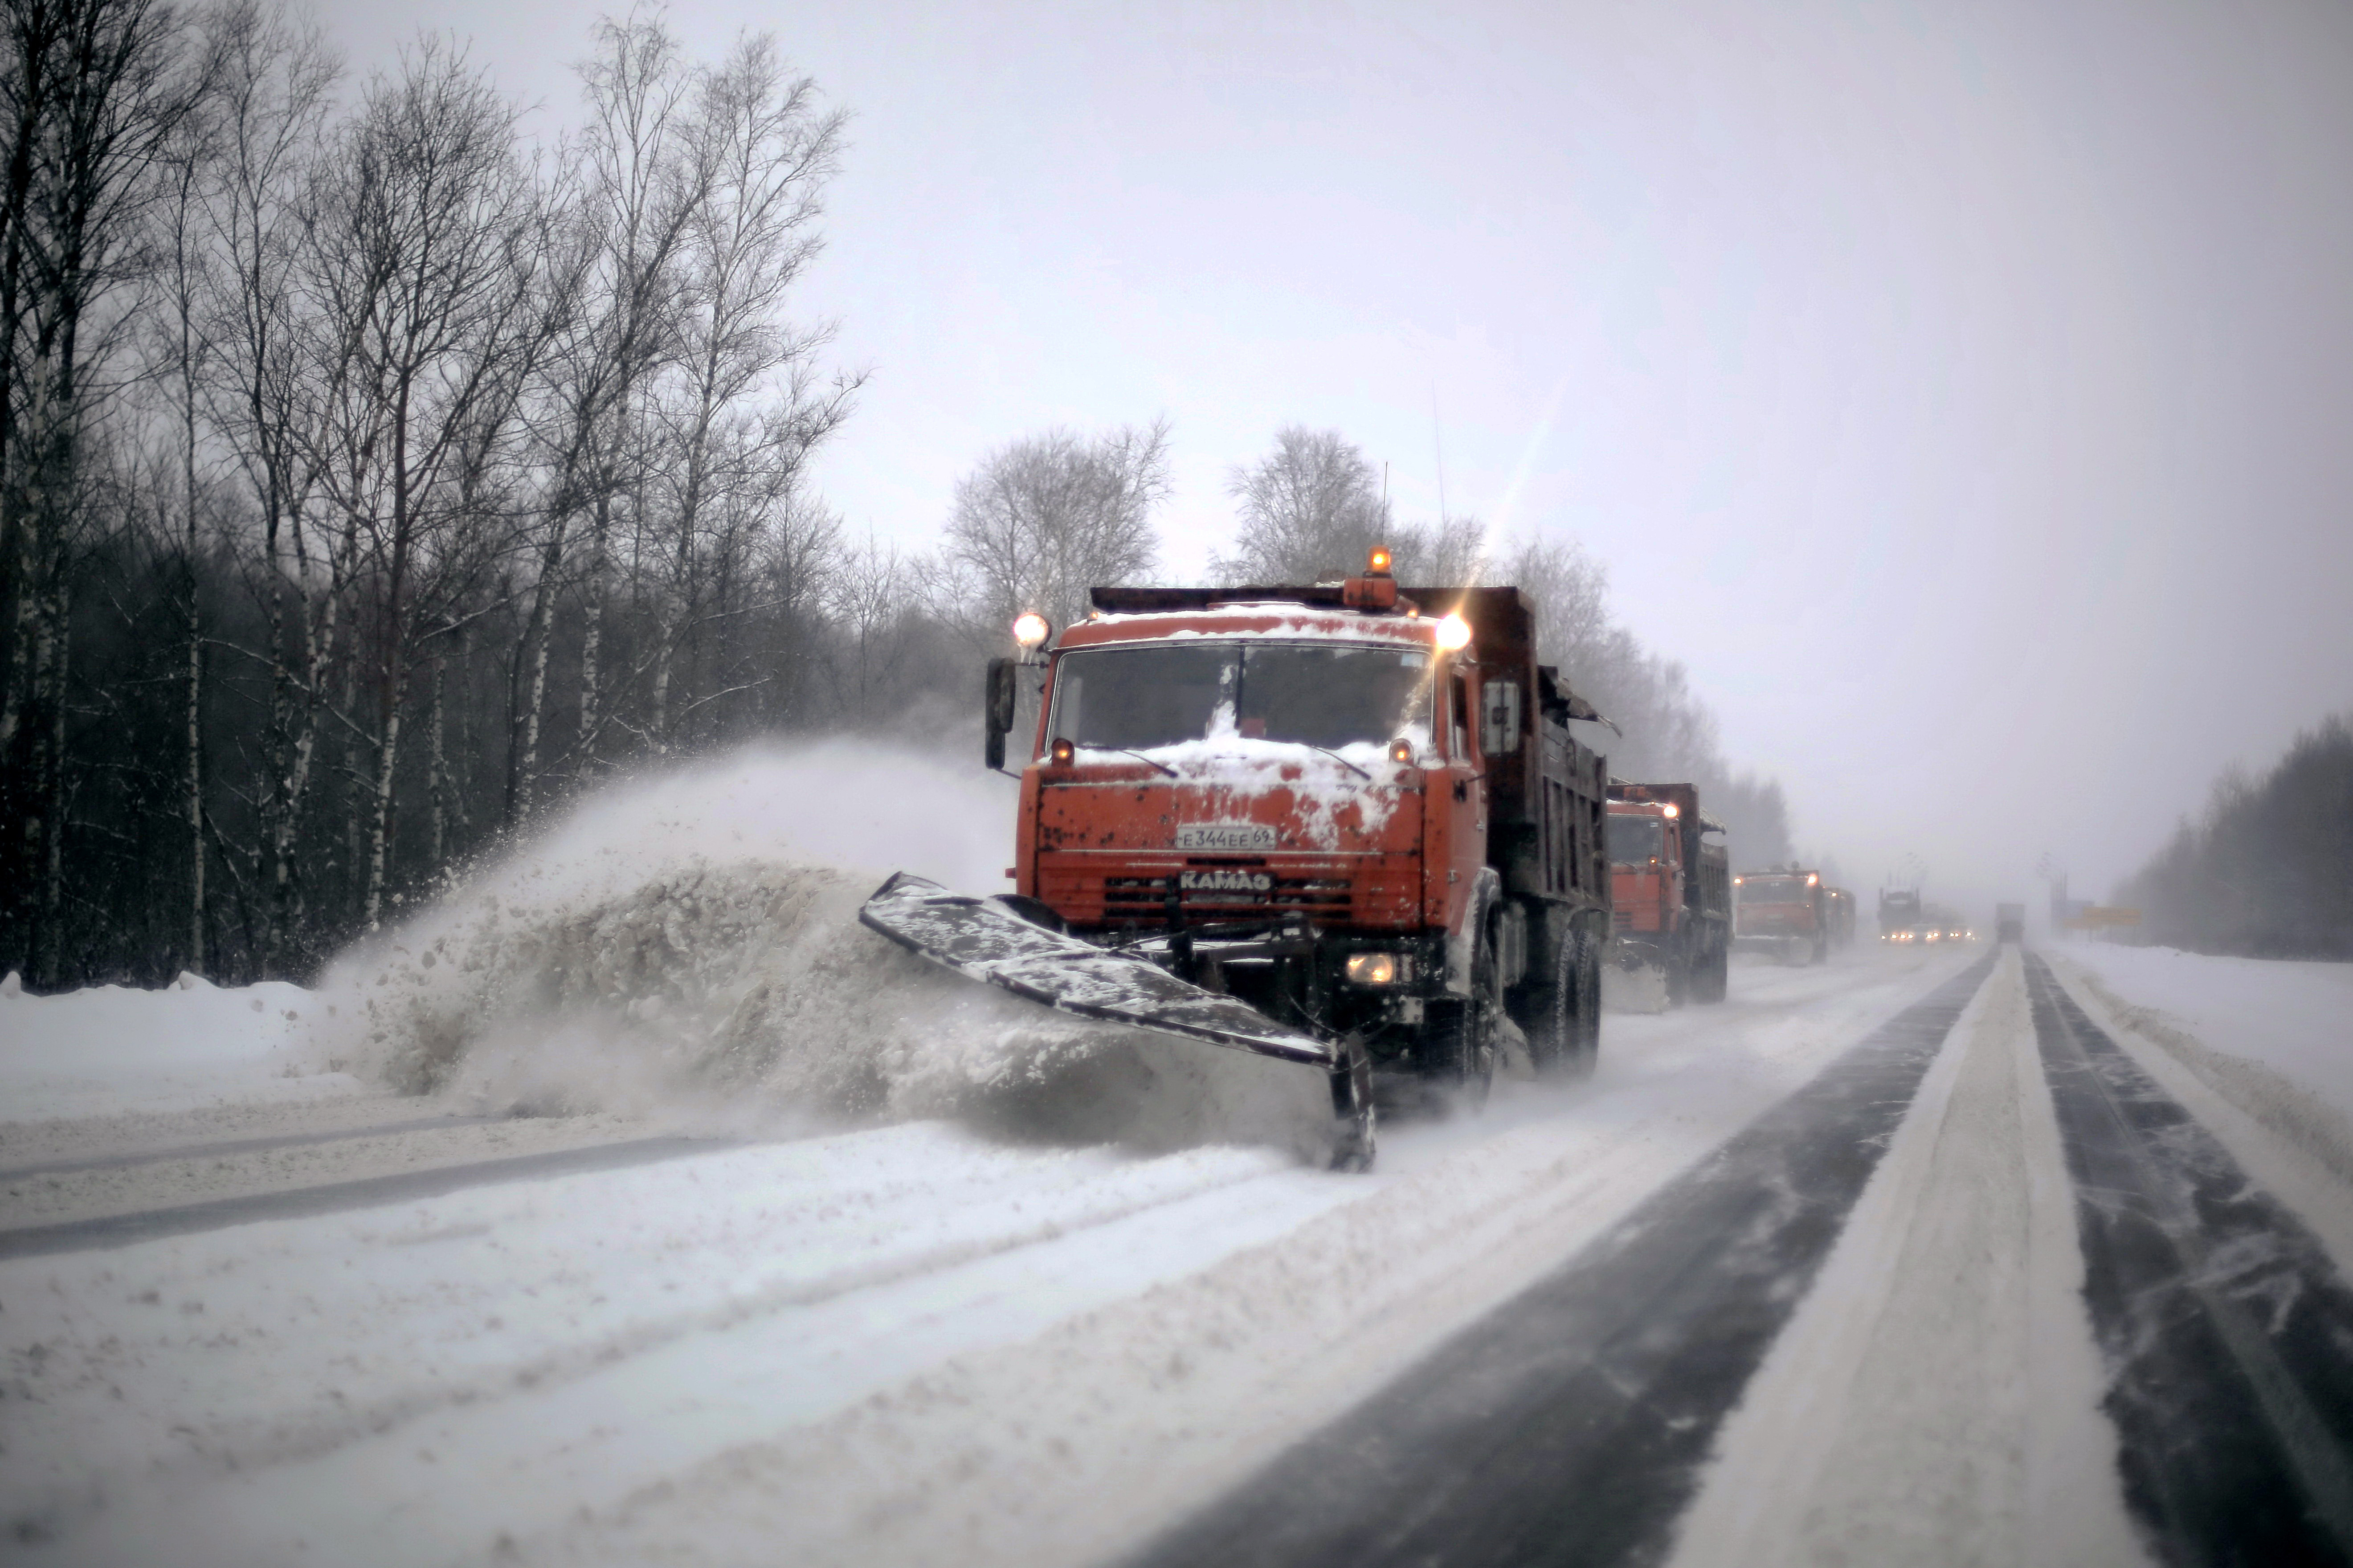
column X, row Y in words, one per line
column 1330, row 695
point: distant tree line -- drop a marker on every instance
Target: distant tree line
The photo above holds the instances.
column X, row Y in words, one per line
column 368, row 478
column 373, row 479
column 2267, row 871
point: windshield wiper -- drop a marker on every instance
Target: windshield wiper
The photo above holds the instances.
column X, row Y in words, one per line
column 1139, row 756
column 1337, row 758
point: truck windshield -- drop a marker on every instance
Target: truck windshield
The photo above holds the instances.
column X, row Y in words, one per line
column 1772, row 890
column 1633, row 840
column 1324, row 694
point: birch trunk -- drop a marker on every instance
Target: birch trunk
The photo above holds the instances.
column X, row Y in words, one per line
column 520, row 786
column 437, row 785
column 591, row 633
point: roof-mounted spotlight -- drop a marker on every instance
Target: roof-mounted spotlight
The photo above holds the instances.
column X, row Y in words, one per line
column 1031, row 629
column 1453, row 632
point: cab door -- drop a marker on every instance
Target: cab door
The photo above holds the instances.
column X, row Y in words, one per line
column 1457, row 845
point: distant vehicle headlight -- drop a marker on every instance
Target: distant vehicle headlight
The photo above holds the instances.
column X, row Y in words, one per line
column 1373, row 968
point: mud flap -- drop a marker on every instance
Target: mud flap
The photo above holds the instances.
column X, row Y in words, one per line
column 987, row 941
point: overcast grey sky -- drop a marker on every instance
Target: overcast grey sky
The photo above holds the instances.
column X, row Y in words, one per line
column 1963, row 391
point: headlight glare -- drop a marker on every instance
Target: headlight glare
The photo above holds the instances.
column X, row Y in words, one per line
column 1372, row 968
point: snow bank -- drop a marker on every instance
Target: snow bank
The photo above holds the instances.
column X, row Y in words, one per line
column 2269, row 1036
column 111, row 1048
column 689, row 946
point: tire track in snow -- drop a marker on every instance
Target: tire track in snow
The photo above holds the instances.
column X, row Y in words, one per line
column 369, row 1192
column 245, row 1146
column 1569, row 1425
column 2227, row 1332
column 254, row 1444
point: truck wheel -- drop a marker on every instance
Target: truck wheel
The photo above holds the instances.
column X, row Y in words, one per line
column 1719, row 973
column 1357, row 1122
column 1552, row 1028
column 1458, row 1044
column 1679, row 979
column 1577, row 1006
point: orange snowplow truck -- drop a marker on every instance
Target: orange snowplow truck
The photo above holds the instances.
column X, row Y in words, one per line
column 1783, row 909
column 1356, row 808
column 1671, row 890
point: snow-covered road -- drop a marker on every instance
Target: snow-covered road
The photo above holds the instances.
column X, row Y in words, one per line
column 1840, row 1315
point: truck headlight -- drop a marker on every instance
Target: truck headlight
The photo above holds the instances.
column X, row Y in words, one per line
column 1373, row 968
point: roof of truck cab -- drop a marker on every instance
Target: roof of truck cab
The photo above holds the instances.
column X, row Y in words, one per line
column 1275, row 621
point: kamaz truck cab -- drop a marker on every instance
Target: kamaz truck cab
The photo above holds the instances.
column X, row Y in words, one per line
column 1671, row 896
column 1781, row 909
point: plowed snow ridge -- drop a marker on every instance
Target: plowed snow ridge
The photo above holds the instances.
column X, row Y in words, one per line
column 690, row 947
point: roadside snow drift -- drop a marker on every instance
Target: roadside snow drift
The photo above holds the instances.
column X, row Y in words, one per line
column 690, row 947
column 114, row 1049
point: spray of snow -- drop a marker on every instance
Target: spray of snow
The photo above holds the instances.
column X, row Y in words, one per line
column 687, row 948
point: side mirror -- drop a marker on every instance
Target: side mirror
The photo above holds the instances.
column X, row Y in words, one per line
column 997, row 709
column 1499, row 718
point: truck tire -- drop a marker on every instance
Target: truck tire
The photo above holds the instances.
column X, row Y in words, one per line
column 1678, row 967
column 1551, row 1021
column 1459, row 1041
column 1584, row 1017
column 1718, row 971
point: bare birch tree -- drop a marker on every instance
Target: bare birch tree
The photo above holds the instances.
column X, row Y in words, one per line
column 425, row 246
column 1046, row 518
column 748, row 403
column 90, row 90
column 273, row 91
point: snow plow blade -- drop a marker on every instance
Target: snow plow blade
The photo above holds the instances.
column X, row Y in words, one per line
column 987, row 941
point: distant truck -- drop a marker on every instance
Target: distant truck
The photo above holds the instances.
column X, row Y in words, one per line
column 1671, row 890
column 2009, row 922
column 1781, row 909
column 1899, row 914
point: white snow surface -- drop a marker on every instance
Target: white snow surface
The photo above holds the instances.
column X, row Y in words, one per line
column 116, row 1048
column 978, row 1339
column 2293, row 1017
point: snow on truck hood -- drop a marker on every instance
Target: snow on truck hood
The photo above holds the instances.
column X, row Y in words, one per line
column 1225, row 775
column 1278, row 621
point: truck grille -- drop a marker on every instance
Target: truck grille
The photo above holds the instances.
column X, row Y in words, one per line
column 1217, row 889
column 1366, row 893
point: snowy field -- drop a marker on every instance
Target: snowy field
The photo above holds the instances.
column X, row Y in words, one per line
column 2272, row 1037
column 750, row 1240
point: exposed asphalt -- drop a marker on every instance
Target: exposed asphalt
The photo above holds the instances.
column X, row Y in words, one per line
column 2227, row 1333
column 1570, row 1427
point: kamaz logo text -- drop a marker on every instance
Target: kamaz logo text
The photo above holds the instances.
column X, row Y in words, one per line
column 1225, row 882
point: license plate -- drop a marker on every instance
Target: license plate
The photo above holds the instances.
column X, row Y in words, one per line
column 1225, row 836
